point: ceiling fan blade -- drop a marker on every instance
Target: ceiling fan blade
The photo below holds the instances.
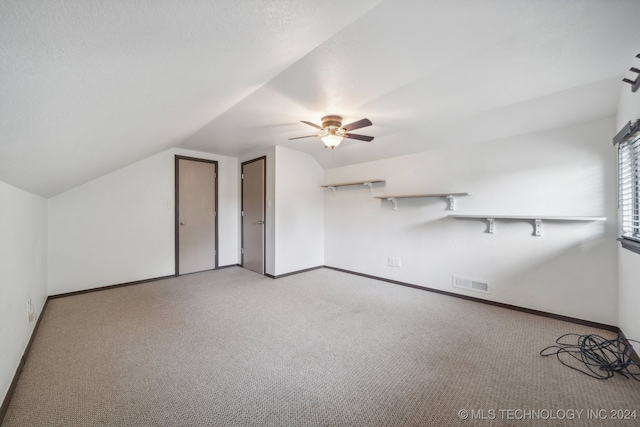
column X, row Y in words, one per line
column 300, row 137
column 360, row 137
column 357, row 125
column 311, row 124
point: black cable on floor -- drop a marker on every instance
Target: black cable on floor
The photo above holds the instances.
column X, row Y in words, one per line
column 596, row 356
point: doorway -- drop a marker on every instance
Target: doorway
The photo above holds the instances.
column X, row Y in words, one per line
column 253, row 176
column 196, row 221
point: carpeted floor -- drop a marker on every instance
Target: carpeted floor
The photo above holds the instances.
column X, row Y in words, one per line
column 321, row 348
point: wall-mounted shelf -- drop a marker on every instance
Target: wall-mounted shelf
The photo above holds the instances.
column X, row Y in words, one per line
column 368, row 183
column 537, row 220
column 451, row 197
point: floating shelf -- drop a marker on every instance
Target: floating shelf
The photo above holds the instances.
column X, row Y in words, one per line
column 368, row 183
column 449, row 196
column 537, row 220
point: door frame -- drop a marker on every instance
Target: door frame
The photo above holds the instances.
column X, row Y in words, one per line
column 176, row 204
column 264, row 212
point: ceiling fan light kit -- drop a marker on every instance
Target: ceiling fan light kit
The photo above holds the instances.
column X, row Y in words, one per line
column 333, row 132
column 332, row 140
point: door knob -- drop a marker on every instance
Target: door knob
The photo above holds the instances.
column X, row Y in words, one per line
column 182, row 223
column 260, row 222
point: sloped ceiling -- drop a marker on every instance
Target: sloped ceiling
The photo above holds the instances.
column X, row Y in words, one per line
column 89, row 87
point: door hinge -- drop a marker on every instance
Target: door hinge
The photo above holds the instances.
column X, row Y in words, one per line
column 241, row 176
column 241, row 213
column 242, row 251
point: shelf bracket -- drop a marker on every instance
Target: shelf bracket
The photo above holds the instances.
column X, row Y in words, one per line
column 537, row 227
column 370, row 185
column 332, row 188
column 491, row 225
column 394, row 203
column 452, row 202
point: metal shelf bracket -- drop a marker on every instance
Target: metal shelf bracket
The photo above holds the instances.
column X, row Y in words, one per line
column 491, row 225
column 332, row 188
column 537, row 228
column 394, row 203
column 452, row 202
column 370, row 185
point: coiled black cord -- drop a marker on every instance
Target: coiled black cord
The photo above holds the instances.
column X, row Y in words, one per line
column 598, row 357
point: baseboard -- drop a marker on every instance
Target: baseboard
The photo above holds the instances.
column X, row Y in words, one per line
column 137, row 282
column 104, row 288
column 14, row 382
column 279, row 276
column 494, row 303
column 228, row 266
column 12, row 389
column 634, row 353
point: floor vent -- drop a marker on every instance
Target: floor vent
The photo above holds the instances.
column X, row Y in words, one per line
column 470, row 284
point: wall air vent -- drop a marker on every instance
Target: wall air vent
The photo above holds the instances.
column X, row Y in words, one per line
column 470, row 284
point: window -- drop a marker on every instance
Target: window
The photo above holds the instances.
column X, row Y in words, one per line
column 628, row 141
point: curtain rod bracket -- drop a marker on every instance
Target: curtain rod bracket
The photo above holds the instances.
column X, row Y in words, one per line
column 635, row 84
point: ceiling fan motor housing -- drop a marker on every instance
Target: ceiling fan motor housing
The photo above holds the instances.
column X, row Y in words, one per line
column 331, row 122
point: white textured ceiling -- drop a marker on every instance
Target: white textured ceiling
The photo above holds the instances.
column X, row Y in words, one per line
column 87, row 87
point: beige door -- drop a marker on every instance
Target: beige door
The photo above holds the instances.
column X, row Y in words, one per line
column 196, row 200
column 253, row 214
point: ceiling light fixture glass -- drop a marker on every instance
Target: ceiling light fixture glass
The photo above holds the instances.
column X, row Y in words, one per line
column 331, row 140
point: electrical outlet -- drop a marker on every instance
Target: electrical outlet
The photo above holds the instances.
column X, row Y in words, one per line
column 394, row 262
column 30, row 314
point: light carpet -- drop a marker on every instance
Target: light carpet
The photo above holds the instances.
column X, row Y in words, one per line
column 322, row 348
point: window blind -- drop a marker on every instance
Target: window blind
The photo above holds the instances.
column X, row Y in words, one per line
column 628, row 141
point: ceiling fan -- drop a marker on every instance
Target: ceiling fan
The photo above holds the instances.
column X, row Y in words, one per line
column 333, row 132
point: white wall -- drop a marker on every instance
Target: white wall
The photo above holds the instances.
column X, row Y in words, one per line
column 629, row 262
column 570, row 270
column 299, row 214
column 23, row 244
column 120, row 227
column 294, row 237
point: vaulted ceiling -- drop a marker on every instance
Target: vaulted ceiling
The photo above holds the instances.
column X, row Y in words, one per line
column 87, row 87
